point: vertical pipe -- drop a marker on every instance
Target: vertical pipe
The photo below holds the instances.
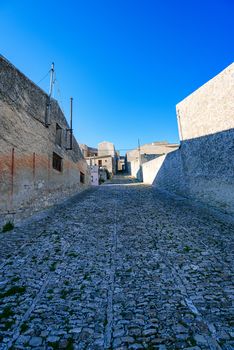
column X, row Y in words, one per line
column 34, row 168
column 179, row 124
column 71, row 131
column 48, row 172
column 12, row 176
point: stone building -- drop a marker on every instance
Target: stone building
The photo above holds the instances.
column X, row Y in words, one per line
column 105, row 162
column 105, row 157
column 88, row 151
column 121, row 163
column 203, row 167
column 136, row 157
column 37, row 166
column 106, row 148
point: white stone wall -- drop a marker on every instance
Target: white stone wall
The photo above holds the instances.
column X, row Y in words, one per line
column 209, row 109
column 135, row 168
column 150, row 169
column 202, row 168
column 149, row 150
column 106, row 148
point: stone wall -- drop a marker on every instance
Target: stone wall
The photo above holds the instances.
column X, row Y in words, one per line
column 106, row 148
column 203, row 167
column 147, row 152
column 28, row 179
column 210, row 109
column 106, row 162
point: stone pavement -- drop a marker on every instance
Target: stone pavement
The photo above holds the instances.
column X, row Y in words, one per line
column 121, row 267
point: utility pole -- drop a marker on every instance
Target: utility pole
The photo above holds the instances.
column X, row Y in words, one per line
column 139, row 152
column 139, row 176
column 48, row 107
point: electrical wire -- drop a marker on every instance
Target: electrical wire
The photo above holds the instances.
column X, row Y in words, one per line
column 60, row 99
column 43, row 77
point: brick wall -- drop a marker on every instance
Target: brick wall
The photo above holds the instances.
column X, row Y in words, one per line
column 28, row 180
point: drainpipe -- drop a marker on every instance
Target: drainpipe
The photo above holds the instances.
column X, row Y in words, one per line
column 70, row 130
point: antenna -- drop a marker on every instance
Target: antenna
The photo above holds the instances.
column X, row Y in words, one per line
column 51, row 80
column 48, row 106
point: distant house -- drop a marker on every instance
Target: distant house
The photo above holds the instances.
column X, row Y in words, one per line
column 40, row 160
column 121, row 163
column 88, row 151
column 138, row 156
column 105, row 150
column 104, row 157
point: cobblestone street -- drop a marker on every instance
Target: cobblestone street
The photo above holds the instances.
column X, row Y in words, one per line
column 119, row 267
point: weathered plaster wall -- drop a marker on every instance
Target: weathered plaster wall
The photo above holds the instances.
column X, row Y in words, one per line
column 134, row 168
column 210, row 109
column 28, row 181
column 147, row 152
column 106, row 148
column 107, row 162
column 150, row 169
column 203, row 167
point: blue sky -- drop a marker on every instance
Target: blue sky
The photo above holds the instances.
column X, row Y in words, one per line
column 126, row 63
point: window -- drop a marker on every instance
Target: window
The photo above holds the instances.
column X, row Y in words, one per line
column 100, row 162
column 57, row 162
column 58, row 137
column 82, row 177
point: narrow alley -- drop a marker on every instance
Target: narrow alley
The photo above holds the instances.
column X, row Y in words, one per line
column 123, row 266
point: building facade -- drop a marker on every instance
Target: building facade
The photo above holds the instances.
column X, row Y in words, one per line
column 37, row 165
column 105, row 162
column 136, row 157
column 88, row 151
column 121, row 163
column 105, row 157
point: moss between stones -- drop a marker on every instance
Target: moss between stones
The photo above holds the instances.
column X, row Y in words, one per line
column 12, row 291
column 9, row 226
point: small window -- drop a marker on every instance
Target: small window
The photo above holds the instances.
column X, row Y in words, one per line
column 100, row 162
column 82, row 177
column 105, row 160
column 58, row 137
column 57, row 162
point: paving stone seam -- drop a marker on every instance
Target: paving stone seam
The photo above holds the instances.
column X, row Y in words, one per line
column 109, row 326
column 182, row 282
column 42, row 217
column 220, row 261
column 33, row 304
column 213, row 344
column 20, row 249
